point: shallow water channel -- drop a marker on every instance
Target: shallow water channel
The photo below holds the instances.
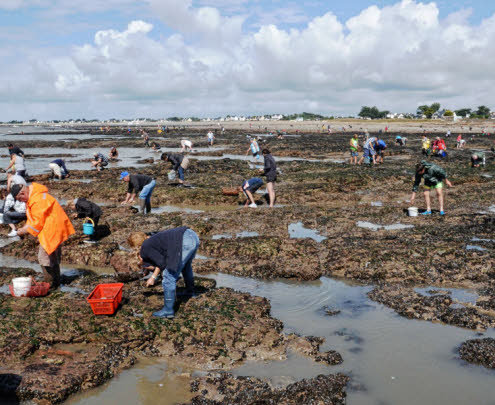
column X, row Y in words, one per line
column 391, row 360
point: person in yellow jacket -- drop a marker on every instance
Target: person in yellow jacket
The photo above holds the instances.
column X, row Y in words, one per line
column 47, row 221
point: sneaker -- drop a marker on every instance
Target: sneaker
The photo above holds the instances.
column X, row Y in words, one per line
column 442, row 212
column 12, row 234
column 426, row 213
column 253, row 205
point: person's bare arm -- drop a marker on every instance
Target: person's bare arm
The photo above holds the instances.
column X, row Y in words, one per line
column 151, row 281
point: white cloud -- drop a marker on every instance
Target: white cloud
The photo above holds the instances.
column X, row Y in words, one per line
column 393, row 57
column 205, row 23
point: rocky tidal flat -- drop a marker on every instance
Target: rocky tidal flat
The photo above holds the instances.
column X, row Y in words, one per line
column 416, row 269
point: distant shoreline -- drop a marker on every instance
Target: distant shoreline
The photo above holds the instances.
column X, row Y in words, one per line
column 394, row 126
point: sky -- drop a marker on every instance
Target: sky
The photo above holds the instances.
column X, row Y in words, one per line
column 90, row 59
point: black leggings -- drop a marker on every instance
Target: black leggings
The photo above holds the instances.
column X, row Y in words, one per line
column 13, row 217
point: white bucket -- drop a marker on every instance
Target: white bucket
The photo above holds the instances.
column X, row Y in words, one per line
column 21, row 285
column 413, row 211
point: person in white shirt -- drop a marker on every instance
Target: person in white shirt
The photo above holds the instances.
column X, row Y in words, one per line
column 186, row 146
column 211, row 137
column 15, row 179
column 13, row 211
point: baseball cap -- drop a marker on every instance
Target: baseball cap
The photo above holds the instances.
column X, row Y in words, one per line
column 123, row 174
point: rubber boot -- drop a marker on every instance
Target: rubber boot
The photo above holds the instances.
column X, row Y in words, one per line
column 189, row 290
column 148, row 206
column 168, row 308
column 142, row 206
column 52, row 275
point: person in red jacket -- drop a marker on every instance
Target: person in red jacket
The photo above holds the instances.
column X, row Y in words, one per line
column 47, row 221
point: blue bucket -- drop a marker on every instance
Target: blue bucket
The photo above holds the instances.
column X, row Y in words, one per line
column 89, row 227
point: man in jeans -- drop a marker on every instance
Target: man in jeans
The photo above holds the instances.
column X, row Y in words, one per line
column 180, row 163
column 47, row 221
column 170, row 253
column 142, row 184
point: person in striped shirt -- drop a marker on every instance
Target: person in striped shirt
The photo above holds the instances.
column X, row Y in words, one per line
column 99, row 161
column 369, row 150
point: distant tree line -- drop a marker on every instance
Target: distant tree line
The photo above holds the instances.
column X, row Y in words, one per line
column 306, row 116
column 481, row 112
column 373, row 113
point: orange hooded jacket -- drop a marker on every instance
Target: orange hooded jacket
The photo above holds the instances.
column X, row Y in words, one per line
column 46, row 219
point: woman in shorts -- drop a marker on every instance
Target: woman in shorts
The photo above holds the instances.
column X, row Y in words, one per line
column 270, row 172
column 434, row 177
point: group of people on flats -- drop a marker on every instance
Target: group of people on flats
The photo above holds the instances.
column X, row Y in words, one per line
column 373, row 150
column 167, row 254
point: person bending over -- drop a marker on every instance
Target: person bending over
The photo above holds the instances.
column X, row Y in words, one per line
column 59, row 169
column 139, row 184
column 249, row 187
column 170, row 253
column 434, row 176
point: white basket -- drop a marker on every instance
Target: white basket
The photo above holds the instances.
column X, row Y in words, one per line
column 21, row 285
column 412, row 211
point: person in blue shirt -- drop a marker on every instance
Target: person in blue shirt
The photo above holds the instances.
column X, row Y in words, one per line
column 254, row 148
column 380, row 148
column 59, row 169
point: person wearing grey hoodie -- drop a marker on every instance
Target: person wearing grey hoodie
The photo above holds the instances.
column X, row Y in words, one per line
column 434, row 177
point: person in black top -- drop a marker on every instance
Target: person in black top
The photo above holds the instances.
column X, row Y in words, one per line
column 180, row 163
column 270, row 171
column 156, row 146
column 15, row 150
column 170, row 253
column 87, row 209
column 139, row 184
column 113, row 154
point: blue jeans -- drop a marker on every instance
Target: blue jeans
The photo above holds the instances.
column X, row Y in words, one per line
column 190, row 244
column 147, row 190
column 181, row 173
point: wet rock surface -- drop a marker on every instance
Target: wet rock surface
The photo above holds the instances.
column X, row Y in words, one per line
column 59, row 347
column 437, row 307
column 224, row 388
column 479, row 351
column 222, row 328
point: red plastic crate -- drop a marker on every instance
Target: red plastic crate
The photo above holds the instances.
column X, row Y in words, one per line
column 105, row 298
column 37, row 290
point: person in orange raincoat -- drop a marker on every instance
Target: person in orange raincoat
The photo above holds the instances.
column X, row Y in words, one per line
column 47, row 221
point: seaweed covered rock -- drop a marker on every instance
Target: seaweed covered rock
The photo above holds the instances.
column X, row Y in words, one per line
column 479, row 351
column 59, row 347
column 437, row 307
column 223, row 388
